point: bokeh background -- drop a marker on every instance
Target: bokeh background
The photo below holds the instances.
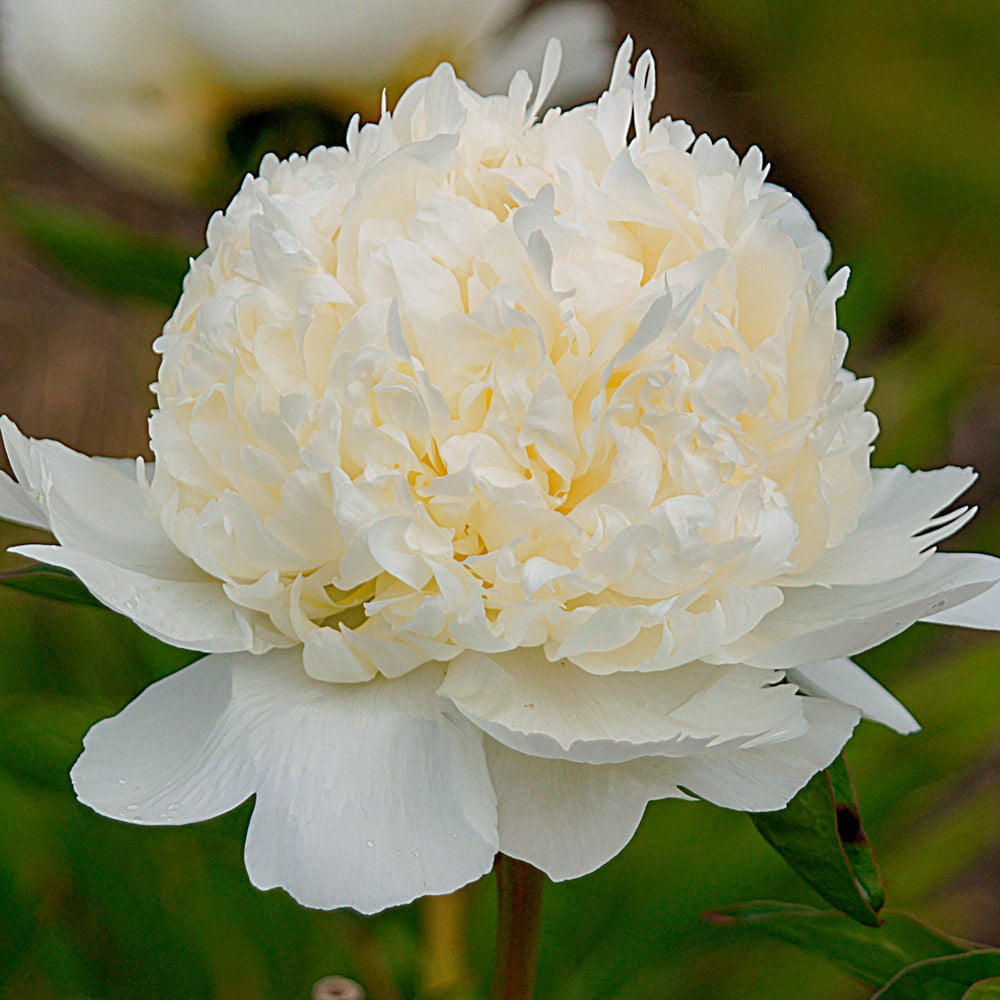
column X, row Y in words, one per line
column 882, row 117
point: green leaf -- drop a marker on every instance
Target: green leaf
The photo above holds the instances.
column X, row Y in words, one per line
column 852, row 837
column 49, row 581
column 98, row 252
column 819, row 834
column 873, row 954
column 985, row 989
column 943, row 978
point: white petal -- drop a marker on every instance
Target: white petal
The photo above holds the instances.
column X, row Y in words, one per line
column 130, row 467
column 595, row 809
column 898, row 529
column 559, row 710
column 368, row 795
column 567, row 818
column 326, row 656
column 844, row 681
column 585, row 30
column 17, row 505
column 824, row 623
column 190, row 615
column 796, row 221
column 21, row 498
column 981, row 612
column 170, row 756
column 95, row 507
column 765, row 778
column 112, row 539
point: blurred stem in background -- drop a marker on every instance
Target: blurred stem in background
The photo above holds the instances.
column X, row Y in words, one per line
column 519, row 914
column 444, row 930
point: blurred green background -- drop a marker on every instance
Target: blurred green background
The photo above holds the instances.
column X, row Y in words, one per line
column 883, row 118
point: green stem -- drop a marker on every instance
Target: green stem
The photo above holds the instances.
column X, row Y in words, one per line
column 519, row 912
column 445, row 924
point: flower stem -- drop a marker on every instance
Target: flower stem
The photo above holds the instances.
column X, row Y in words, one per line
column 519, row 911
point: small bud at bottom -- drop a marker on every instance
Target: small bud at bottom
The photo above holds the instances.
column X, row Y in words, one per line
column 337, row 988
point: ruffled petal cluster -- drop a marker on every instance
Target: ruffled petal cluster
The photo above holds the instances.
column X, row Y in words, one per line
column 508, row 474
column 150, row 87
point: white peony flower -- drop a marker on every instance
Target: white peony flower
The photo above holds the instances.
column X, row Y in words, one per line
column 149, row 87
column 507, row 472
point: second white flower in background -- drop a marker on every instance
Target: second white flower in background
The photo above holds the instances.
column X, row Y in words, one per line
column 150, row 87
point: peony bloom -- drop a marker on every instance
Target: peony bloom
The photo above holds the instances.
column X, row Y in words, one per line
column 507, row 473
column 150, row 86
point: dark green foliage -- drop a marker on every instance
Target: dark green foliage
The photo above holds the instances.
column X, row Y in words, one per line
column 872, row 954
column 950, row 978
column 99, row 253
column 49, row 581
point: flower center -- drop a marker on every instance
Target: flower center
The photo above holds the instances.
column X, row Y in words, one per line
column 496, row 381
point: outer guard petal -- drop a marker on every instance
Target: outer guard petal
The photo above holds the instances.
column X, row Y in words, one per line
column 765, row 778
column 17, row 505
column 95, row 507
column 846, row 682
column 822, row 623
column 112, row 539
column 192, row 615
column 368, row 795
column 567, row 818
column 981, row 612
column 171, row 755
column 897, row 530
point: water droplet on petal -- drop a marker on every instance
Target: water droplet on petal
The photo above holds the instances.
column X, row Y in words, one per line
column 132, row 808
column 173, row 807
column 369, row 843
column 121, row 781
column 416, row 854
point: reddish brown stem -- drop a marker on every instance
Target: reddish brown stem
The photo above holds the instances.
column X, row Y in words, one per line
column 519, row 912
